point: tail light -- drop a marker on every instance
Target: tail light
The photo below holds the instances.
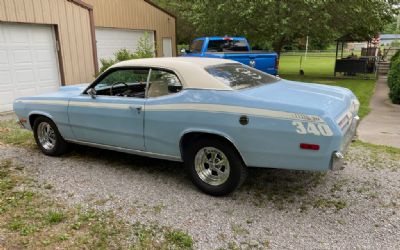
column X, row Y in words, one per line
column 309, row 146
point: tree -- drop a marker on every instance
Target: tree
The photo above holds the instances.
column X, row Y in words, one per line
column 391, row 28
column 186, row 31
column 280, row 22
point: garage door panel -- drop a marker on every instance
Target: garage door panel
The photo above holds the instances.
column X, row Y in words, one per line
column 44, row 56
column 5, row 78
column 22, row 56
column 110, row 40
column 3, row 57
column 28, row 62
column 6, row 97
column 47, row 75
column 26, row 91
column 47, row 89
column 18, row 35
column 23, row 76
column 2, row 36
column 41, row 36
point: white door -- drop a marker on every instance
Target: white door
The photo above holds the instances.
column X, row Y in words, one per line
column 28, row 62
column 110, row 40
column 167, row 46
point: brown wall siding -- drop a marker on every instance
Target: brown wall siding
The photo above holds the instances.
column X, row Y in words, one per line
column 135, row 14
column 74, row 31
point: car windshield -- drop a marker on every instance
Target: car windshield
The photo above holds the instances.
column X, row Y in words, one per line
column 239, row 76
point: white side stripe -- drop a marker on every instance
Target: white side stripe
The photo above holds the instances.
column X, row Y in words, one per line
column 55, row 102
column 217, row 108
column 100, row 105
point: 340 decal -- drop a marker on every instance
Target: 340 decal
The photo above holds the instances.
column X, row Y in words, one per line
column 319, row 129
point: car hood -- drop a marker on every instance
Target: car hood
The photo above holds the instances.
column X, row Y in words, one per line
column 67, row 91
column 63, row 93
column 74, row 88
column 330, row 100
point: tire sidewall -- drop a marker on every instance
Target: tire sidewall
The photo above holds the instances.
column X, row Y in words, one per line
column 57, row 147
column 235, row 164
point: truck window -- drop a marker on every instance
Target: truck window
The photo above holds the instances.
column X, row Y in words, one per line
column 227, row 46
column 239, row 76
column 196, row 46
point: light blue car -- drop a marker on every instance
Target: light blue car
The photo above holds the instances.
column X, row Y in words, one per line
column 217, row 116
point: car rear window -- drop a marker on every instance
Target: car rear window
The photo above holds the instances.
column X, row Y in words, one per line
column 239, row 76
column 196, row 46
column 227, row 46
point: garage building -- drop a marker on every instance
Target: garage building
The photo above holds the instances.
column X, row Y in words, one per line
column 45, row 44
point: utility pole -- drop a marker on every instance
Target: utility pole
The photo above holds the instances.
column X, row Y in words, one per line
column 305, row 55
column 398, row 23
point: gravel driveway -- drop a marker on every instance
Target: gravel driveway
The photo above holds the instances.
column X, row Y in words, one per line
column 358, row 207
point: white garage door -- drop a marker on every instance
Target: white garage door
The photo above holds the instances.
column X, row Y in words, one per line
column 28, row 62
column 110, row 40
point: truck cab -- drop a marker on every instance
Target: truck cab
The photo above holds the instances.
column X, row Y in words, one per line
column 234, row 48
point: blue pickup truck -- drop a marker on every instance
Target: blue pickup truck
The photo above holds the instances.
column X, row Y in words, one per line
column 233, row 48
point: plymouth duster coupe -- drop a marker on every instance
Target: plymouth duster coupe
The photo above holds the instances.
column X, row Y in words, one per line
column 217, row 116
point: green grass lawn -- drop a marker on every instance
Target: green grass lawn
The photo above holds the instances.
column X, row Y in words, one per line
column 312, row 66
column 320, row 70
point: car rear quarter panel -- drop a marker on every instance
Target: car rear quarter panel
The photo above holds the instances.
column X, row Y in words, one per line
column 264, row 142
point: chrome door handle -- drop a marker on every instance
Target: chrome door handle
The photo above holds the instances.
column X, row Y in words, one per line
column 138, row 108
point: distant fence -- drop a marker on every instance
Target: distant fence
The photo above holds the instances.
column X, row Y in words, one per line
column 389, row 52
column 297, row 52
column 346, row 52
column 321, row 64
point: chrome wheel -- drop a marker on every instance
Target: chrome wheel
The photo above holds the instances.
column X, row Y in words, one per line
column 46, row 136
column 212, row 166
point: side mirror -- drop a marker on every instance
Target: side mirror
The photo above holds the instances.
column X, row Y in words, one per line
column 92, row 93
column 185, row 51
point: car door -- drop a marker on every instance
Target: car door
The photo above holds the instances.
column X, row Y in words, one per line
column 162, row 129
column 114, row 116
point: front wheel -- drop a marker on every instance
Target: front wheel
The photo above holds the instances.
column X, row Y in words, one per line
column 48, row 138
column 214, row 166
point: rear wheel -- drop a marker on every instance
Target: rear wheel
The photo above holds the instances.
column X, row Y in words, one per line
column 48, row 138
column 214, row 166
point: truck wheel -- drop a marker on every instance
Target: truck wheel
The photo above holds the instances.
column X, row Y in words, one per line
column 214, row 166
column 48, row 138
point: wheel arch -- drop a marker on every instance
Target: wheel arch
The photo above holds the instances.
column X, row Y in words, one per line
column 189, row 136
column 35, row 114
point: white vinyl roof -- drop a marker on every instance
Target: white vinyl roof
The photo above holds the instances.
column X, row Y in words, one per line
column 191, row 70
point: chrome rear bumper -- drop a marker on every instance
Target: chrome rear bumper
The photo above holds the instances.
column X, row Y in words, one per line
column 337, row 158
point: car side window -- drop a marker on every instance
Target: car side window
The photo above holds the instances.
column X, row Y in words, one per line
column 196, row 46
column 124, row 82
column 162, row 83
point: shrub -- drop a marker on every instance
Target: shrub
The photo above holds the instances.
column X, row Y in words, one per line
column 394, row 79
column 145, row 49
column 395, row 57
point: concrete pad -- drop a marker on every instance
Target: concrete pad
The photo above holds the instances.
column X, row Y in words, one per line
column 4, row 116
column 382, row 125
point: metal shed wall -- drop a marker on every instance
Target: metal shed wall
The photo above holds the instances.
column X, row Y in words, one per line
column 137, row 15
column 73, row 31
